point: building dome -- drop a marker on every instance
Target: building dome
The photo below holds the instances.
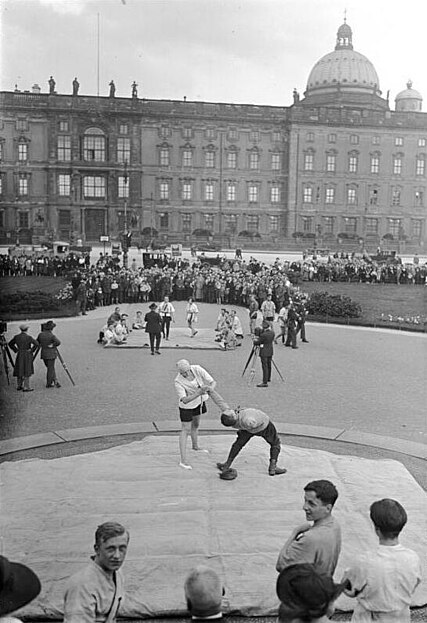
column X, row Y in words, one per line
column 409, row 99
column 343, row 71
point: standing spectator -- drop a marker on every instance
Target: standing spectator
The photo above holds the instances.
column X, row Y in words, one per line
column 95, row 592
column 264, row 340
column 318, row 543
column 49, row 343
column 283, row 322
column 24, row 346
column 167, row 313
column 302, row 313
column 384, row 580
column 153, row 327
column 253, row 313
column 81, row 297
column 191, row 384
column 293, row 319
column 192, row 312
column 268, row 309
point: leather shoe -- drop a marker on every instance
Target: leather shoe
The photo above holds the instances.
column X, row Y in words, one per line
column 262, row 385
column 305, row 341
column 30, row 389
column 158, row 352
column 57, row 384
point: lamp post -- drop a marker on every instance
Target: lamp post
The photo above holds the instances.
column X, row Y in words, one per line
column 125, row 237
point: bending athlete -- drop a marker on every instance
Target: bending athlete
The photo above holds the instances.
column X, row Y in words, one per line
column 249, row 423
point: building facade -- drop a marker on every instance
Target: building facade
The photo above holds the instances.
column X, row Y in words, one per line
column 336, row 165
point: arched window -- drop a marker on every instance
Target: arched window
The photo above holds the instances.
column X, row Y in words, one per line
column 94, row 145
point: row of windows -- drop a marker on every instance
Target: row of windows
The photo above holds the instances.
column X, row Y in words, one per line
column 232, row 134
column 349, row 225
column 353, row 163
column 352, row 196
column 95, row 187
column 354, row 139
column 211, row 157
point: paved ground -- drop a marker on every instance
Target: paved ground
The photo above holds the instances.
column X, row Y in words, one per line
column 362, row 381
column 355, row 379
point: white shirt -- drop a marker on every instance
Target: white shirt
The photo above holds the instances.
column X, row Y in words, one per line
column 385, row 580
column 185, row 387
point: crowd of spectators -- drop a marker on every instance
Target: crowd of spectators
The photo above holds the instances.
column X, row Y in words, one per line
column 223, row 281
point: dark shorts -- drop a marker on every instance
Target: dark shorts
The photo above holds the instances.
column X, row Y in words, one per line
column 186, row 415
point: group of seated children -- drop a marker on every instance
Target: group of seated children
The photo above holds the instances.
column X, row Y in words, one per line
column 229, row 329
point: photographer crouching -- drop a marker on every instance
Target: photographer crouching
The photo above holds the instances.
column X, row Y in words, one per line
column 48, row 344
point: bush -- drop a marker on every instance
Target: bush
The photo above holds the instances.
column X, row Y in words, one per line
column 32, row 302
column 325, row 304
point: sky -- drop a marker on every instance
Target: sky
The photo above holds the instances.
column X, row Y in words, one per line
column 239, row 51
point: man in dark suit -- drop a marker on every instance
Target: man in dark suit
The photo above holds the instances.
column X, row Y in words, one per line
column 265, row 341
column 154, row 328
column 49, row 343
column 24, row 346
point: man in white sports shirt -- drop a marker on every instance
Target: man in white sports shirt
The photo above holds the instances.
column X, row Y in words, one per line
column 167, row 314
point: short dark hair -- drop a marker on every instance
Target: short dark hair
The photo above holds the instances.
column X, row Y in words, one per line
column 305, row 592
column 324, row 490
column 389, row 517
column 227, row 420
column 108, row 530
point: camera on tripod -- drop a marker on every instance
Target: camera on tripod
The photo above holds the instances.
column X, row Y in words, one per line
column 3, row 327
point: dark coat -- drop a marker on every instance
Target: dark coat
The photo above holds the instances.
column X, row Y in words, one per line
column 265, row 342
column 154, row 322
column 24, row 346
column 48, row 342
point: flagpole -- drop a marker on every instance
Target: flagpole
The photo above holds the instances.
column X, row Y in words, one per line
column 97, row 56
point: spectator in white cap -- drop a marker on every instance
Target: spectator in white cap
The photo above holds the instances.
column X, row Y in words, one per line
column 191, row 385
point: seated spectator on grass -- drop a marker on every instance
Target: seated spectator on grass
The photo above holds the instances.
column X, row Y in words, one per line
column 111, row 336
column 383, row 580
column 306, row 595
column 138, row 323
column 203, row 593
column 18, row 586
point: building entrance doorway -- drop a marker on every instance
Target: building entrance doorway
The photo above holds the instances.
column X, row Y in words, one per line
column 94, row 224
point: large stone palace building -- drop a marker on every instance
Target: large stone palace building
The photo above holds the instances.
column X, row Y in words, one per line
column 338, row 164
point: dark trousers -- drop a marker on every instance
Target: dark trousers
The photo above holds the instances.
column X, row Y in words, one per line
column 269, row 434
column 50, row 372
column 166, row 323
column 291, row 340
column 266, row 369
column 155, row 339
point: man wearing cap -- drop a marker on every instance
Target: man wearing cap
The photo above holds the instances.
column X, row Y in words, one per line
column 203, row 594
column 24, row 346
column 264, row 339
column 18, row 586
column 319, row 542
column 249, row 423
column 191, row 385
column 49, row 343
column 153, row 327
column 94, row 594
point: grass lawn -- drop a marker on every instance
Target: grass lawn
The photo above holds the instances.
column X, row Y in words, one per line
column 376, row 299
column 404, row 300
